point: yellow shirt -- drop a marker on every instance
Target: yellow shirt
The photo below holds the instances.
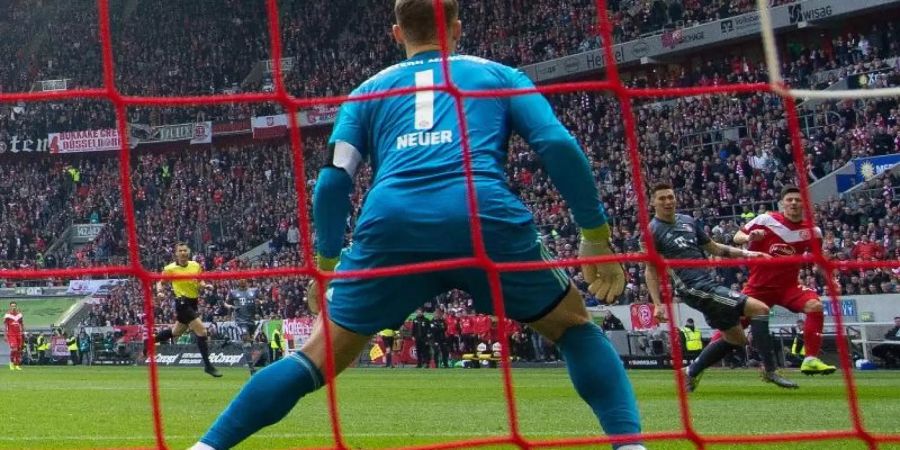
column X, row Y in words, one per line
column 185, row 288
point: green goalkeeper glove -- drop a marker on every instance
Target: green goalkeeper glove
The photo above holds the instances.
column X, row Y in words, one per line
column 606, row 281
column 312, row 290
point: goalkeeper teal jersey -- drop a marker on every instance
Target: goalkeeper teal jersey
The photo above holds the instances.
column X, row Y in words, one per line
column 417, row 200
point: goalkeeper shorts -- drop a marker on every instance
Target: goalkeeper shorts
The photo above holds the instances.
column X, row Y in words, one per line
column 369, row 305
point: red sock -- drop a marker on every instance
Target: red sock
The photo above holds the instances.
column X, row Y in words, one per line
column 812, row 333
column 16, row 358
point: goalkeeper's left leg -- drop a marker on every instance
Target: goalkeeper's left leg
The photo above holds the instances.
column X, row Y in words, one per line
column 594, row 367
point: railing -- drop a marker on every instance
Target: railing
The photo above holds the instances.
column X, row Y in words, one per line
column 716, row 136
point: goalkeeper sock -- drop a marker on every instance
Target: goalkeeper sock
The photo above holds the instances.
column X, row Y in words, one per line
column 713, row 353
column 164, row 335
column 812, row 333
column 599, row 378
column 762, row 342
column 266, row 398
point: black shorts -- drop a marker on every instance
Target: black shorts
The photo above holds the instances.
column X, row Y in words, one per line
column 247, row 328
column 721, row 306
column 186, row 309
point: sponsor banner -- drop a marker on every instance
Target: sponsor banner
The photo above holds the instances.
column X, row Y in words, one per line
column 269, row 127
column 319, row 115
column 297, row 330
column 196, row 133
column 85, row 232
column 871, row 167
column 30, row 291
column 642, row 316
column 24, row 144
column 105, row 140
column 704, row 35
column 847, row 308
column 189, row 355
column 53, row 85
column 650, row 362
column 92, row 287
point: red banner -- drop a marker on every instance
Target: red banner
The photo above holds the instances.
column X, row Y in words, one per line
column 297, row 330
column 84, row 141
column 268, row 127
column 642, row 316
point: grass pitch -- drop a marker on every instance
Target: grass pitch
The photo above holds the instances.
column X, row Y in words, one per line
column 41, row 312
column 69, row 408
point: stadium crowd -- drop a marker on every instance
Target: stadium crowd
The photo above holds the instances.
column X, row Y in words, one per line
column 732, row 152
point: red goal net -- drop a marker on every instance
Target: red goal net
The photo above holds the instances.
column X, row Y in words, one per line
column 612, row 84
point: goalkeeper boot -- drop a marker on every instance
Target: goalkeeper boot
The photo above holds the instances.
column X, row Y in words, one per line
column 778, row 380
column 691, row 383
column 815, row 366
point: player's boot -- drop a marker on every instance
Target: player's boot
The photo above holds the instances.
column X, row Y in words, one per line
column 12, row 366
column 691, row 383
column 815, row 366
column 210, row 369
column 778, row 380
column 18, row 367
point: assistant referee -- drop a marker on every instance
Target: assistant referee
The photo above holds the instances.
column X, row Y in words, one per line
column 187, row 296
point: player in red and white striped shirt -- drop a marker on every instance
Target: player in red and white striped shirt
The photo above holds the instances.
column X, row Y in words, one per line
column 15, row 333
column 785, row 233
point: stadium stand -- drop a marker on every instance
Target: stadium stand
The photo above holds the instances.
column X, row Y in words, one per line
column 733, row 151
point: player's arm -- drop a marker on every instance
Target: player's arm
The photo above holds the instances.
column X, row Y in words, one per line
column 229, row 301
column 331, row 198
column 159, row 284
column 727, row 251
column 752, row 231
column 532, row 118
column 742, row 237
column 652, row 280
column 201, row 283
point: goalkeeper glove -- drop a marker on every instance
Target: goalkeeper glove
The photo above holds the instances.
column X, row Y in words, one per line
column 312, row 290
column 605, row 281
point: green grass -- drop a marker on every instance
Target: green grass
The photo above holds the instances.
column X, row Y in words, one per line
column 66, row 407
column 42, row 312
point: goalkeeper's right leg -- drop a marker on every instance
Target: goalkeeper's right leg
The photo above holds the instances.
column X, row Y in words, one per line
column 590, row 357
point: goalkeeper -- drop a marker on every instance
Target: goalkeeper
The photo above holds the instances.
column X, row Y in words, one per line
column 416, row 211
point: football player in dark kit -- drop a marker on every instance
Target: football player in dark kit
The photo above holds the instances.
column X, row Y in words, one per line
column 242, row 303
column 440, row 345
column 421, row 331
column 678, row 236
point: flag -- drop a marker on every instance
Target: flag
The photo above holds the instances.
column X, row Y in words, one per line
column 268, row 127
column 375, row 353
column 202, row 133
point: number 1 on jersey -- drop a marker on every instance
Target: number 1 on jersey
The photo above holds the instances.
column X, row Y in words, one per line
column 424, row 119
